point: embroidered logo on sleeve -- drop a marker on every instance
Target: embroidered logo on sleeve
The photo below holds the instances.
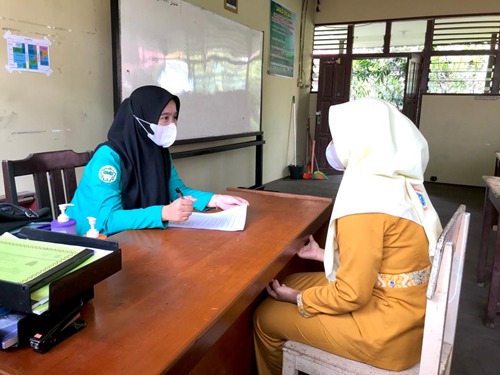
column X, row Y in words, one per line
column 107, row 174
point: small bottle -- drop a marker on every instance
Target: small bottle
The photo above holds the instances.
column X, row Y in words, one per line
column 92, row 232
column 63, row 224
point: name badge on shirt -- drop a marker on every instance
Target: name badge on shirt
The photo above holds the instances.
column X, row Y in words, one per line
column 422, row 199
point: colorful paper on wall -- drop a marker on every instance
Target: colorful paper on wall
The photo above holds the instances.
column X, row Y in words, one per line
column 26, row 54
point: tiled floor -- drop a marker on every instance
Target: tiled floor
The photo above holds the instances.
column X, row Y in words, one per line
column 477, row 347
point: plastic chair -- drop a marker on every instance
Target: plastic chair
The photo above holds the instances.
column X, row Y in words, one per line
column 53, row 174
column 440, row 317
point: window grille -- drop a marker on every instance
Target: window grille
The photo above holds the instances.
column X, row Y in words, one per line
column 463, row 55
column 466, row 33
column 463, row 51
column 330, row 40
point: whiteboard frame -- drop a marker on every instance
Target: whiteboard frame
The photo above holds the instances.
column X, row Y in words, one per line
column 118, row 84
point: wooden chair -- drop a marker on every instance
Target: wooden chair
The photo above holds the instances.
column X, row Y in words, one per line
column 443, row 294
column 53, row 174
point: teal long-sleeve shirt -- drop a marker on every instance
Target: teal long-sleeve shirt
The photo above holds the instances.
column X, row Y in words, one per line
column 99, row 195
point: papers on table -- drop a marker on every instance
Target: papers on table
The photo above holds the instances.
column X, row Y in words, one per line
column 40, row 297
column 229, row 220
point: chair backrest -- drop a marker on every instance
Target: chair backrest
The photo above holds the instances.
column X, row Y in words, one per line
column 53, row 173
column 443, row 294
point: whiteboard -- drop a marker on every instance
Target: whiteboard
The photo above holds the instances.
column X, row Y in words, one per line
column 212, row 63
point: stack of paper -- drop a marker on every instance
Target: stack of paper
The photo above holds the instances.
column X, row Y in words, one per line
column 229, row 220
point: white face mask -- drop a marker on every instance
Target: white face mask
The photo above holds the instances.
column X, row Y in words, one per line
column 332, row 158
column 163, row 135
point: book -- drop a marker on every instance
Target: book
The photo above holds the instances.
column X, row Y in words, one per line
column 37, row 263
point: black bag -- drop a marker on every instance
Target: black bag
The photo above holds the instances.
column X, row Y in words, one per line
column 13, row 216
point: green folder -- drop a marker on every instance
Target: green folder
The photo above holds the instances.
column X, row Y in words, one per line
column 37, row 263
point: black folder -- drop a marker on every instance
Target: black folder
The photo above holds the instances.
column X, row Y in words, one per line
column 59, row 270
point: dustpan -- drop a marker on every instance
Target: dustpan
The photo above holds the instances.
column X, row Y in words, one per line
column 318, row 175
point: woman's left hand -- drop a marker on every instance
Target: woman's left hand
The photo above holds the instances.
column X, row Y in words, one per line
column 225, row 202
column 281, row 292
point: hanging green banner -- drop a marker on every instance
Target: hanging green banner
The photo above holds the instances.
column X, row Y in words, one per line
column 282, row 41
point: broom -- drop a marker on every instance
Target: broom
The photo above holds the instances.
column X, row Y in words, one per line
column 309, row 170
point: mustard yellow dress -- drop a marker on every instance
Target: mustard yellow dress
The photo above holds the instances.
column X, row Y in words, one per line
column 373, row 312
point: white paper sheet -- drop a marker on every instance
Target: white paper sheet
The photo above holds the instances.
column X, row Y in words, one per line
column 229, row 220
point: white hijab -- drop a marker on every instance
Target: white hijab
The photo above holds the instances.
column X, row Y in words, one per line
column 385, row 157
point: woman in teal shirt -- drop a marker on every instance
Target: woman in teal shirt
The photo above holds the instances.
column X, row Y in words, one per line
column 131, row 182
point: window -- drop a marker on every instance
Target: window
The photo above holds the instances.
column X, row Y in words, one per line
column 315, row 75
column 382, row 78
column 369, row 37
column 408, row 36
column 461, row 54
column 330, row 40
column 463, row 74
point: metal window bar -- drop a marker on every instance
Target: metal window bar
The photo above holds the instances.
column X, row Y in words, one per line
column 474, row 37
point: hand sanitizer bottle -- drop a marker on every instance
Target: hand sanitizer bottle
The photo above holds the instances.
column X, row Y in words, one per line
column 63, row 224
column 92, row 232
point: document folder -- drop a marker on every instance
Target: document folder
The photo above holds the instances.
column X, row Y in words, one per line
column 70, row 286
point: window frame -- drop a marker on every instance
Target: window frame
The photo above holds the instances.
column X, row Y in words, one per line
column 427, row 53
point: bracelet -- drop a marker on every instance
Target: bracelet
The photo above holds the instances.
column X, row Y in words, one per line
column 300, row 306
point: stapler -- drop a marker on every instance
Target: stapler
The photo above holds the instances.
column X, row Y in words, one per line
column 63, row 328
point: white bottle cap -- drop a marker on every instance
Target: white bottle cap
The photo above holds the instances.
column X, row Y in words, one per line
column 63, row 218
column 92, row 232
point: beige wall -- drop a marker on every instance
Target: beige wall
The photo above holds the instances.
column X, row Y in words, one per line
column 277, row 95
column 332, row 11
column 463, row 137
column 72, row 108
column 462, row 131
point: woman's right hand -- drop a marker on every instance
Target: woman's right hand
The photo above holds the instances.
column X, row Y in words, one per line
column 179, row 210
column 311, row 250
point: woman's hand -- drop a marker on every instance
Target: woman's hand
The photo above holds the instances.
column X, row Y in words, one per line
column 225, row 202
column 178, row 210
column 281, row 292
column 311, row 250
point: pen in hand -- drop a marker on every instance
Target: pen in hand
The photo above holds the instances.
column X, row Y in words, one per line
column 178, row 191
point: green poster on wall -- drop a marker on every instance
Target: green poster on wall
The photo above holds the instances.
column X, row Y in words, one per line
column 282, row 41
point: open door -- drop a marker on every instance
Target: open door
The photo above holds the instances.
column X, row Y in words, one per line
column 411, row 98
column 333, row 88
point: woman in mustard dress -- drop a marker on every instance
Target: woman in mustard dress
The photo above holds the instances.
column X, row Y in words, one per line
column 369, row 305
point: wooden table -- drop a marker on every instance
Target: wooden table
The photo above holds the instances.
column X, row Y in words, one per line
column 484, row 273
column 184, row 299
